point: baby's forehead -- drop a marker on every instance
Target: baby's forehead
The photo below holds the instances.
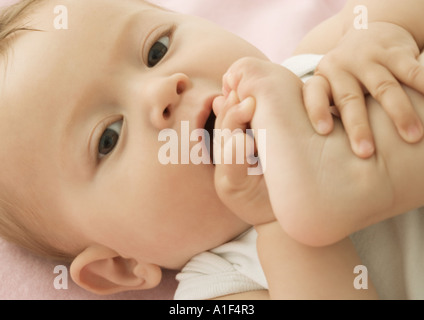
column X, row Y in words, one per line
column 48, row 65
column 44, row 62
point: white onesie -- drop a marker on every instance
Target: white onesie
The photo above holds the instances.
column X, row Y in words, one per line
column 392, row 251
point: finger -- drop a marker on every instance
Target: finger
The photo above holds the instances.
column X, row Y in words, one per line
column 394, row 100
column 408, row 70
column 349, row 100
column 316, row 95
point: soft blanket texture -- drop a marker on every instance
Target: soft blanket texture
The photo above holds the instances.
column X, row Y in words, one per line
column 274, row 26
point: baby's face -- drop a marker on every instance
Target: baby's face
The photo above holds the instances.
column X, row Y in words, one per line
column 84, row 108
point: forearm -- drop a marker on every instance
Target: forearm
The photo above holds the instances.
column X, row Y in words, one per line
column 326, row 36
column 405, row 13
column 296, row 271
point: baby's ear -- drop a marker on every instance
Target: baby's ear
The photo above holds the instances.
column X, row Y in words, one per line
column 103, row 271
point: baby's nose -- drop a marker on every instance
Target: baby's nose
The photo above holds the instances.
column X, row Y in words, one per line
column 168, row 93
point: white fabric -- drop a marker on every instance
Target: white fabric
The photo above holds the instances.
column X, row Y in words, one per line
column 392, row 251
column 231, row 268
column 303, row 65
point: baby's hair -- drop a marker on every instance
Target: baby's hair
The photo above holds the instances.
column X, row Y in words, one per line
column 12, row 20
column 14, row 230
column 14, row 213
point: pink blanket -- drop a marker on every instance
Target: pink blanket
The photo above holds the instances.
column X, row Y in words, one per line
column 274, row 26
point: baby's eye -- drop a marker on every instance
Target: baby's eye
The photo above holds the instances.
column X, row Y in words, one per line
column 158, row 51
column 109, row 138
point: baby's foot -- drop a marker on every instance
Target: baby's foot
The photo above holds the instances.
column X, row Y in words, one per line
column 319, row 191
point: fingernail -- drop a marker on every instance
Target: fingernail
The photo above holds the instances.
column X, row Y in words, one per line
column 323, row 127
column 365, row 148
column 414, row 133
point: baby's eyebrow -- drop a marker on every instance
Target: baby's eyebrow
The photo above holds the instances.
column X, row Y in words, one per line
column 12, row 21
column 7, row 37
column 155, row 6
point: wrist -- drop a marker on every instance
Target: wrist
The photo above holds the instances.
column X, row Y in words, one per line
column 405, row 14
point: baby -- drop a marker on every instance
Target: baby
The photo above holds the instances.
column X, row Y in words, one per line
column 81, row 177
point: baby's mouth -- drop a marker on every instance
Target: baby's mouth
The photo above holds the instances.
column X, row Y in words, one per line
column 209, row 126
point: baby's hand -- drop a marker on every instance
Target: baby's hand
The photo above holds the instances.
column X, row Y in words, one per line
column 246, row 195
column 373, row 61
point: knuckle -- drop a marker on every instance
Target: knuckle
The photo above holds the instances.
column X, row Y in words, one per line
column 246, row 64
column 358, row 130
column 322, row 67
column 327, row 63
column 414, row 72
column 383, row 87
column 251, row 74
column 317, row 83
column 359, row 127
column 347, row 98
column 244, row 71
